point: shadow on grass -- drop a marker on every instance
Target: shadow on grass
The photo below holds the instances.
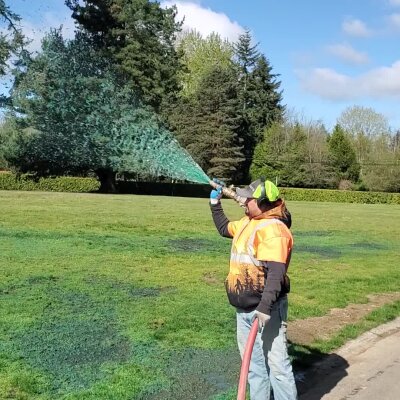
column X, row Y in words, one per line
column 316, row 373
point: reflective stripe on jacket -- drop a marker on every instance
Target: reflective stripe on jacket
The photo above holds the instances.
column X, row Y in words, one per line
column 255, row 241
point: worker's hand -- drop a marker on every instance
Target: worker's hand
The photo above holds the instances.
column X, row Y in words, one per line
column 221, row 183
column 262, row 319
column 216, row 195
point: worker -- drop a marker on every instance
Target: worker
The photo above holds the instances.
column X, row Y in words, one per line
column 257, row 284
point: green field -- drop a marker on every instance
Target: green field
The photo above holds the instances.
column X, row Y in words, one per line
column 122, row 297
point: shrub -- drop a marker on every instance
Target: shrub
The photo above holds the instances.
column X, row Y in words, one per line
column 340, row 196
column 10, row 181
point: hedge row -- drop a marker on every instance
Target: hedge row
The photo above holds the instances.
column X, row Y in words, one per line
column 59, row 184
column 81, row 185
column 290, row 194
column 340, row 196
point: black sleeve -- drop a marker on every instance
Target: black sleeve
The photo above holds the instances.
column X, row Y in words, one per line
column 220, row 220
column 275, row 272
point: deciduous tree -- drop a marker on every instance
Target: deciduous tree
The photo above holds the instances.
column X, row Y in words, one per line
column 199, row 56
column 363, row 124
column 293, row 154
column 269, row 153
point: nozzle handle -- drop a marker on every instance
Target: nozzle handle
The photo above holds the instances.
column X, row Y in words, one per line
column 228, row 192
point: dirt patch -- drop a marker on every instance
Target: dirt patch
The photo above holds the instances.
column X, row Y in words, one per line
column 211, row 278
column 308, row 330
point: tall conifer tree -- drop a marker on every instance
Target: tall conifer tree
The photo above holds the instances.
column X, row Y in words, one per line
column 139, row 36
column 342, row 155
column 206, row 125
column 295, row 158
column 260, row 99
column 265, row 97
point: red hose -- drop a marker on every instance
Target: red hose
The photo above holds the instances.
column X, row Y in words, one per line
column 244, row 370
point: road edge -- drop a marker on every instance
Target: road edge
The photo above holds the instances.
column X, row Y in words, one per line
column 339, row 359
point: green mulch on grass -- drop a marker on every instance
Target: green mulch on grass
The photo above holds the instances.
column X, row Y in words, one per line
column 122, row 297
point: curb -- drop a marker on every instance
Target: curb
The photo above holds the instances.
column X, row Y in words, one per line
column 338, row 361
column 368, row 339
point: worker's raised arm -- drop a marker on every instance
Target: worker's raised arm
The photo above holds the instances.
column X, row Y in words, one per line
column 221, row 222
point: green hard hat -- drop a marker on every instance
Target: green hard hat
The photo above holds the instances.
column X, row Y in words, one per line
column 259, row 189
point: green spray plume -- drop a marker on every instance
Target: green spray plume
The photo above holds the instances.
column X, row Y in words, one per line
column 156, row 152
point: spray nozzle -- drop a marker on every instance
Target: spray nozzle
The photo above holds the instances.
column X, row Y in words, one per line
column 228, row 191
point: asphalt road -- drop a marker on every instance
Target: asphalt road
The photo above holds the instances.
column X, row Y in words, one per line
column 368, row 368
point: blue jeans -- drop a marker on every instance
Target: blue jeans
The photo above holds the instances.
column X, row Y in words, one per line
column 270, row 364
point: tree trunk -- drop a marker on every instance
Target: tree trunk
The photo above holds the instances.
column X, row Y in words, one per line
column 107, row 180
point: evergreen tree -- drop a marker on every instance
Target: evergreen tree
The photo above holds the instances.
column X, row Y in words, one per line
column 343, row 156
column 11, row 37
column 217, row 113
column 139, row 36
column 206, row 125
column 295, row 168
column 259, row 96
column 264, row 97
column 7, row 130
column 12, row 42
column 77, row 116
column 246, row 57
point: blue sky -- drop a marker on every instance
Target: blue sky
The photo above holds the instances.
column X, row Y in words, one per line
column 330, row 54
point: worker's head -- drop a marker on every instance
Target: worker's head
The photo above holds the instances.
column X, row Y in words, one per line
column 261, row 196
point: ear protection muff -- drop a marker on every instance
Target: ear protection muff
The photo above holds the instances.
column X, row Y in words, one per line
column 263, row 196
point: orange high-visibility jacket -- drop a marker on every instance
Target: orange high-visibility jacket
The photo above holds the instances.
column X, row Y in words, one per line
column 255, row 242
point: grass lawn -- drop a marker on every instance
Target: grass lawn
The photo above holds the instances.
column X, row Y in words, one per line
column 122, row 297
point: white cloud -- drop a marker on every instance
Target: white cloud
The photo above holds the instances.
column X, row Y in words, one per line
column 394, row 3
column 204, row 20
column 378, row 83
column 348, row 54
column 356, row 27
column 394, row 21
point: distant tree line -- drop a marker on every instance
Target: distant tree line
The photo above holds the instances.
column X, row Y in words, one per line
column 89, row 105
